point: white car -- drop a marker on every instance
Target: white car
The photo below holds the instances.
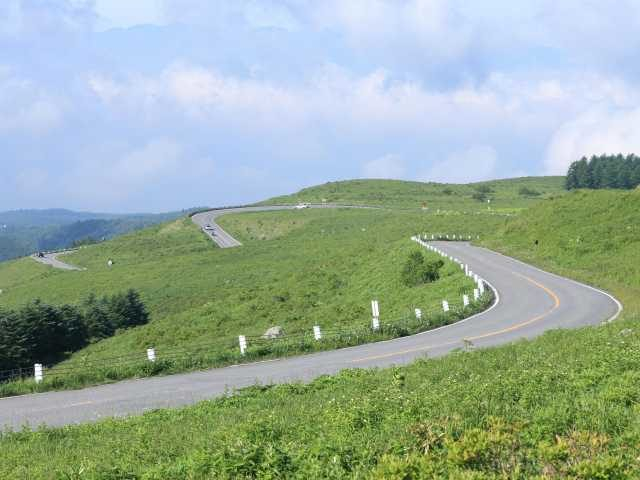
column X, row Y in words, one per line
column 300, row 206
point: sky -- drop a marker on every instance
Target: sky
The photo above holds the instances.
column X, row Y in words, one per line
column 157, row 105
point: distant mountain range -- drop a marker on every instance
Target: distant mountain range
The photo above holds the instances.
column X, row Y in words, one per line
column 23, row 232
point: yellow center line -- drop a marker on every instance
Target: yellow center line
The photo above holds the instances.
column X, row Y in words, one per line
column 517, row 326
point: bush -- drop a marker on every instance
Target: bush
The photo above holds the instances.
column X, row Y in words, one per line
column 479, row 196
column 528, row 192
column 417, row 271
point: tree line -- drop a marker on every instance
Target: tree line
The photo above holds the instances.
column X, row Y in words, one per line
column 42, row 333
column 604, row 171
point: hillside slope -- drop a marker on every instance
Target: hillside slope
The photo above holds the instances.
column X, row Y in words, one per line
column 505, row 195
column 296, row 269
column 593, row 236
column 562, row 406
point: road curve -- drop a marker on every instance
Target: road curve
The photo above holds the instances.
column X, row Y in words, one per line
column 52, row 260
column 531, row 302
column 224, row 240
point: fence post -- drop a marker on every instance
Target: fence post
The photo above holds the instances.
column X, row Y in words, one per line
column 375, row 311
column 151, row 354
column 465, row 300
column 316, row 332
column 37, row 372
column 445, row 306
column 243, row 344
column 418, row 314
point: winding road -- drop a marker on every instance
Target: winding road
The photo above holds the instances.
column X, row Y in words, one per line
column 224, row 240
column 53, row 260
column 530, row 302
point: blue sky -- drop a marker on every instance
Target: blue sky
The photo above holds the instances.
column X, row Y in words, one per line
column 152, row 105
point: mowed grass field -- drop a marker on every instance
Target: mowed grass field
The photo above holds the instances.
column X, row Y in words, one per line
column 296, row 269
column 506, row 196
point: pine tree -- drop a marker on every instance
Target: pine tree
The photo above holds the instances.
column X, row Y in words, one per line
column 571, row 181
column 582, row 173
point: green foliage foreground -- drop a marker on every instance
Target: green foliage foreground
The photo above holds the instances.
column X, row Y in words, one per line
column 563, row 405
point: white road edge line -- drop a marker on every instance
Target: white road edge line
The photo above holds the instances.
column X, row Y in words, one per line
column 615, row 300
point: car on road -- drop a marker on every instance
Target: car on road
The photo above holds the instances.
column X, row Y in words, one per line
column 300, row 206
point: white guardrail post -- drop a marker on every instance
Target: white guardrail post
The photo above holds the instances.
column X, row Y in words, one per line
column 375, row 311
column 317, row 334
column 38, row 373
column 151, row 354
column 242, row 340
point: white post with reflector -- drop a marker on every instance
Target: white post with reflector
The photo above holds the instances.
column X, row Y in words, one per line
column 151, row 354
column 445, row 306
column 317, row 334
column 481, row 286
column 465, row 300
column 418, row 314
column 242, row 340
column 476, row 294
column 38, row 372
column 375, row 312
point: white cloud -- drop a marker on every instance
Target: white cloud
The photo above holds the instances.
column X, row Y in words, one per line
column 474, row 164
column 26, row 107
column 389, row 166
column 430, row 28
column 592, row 133
column 109, row 177
column 128, row 13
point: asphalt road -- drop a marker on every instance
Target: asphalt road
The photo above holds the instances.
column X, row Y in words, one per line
column 52, row 259
column 224, row 240
column 530, row 302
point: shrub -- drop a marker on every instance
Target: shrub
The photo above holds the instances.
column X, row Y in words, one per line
column 528, row 192
column 417, row 271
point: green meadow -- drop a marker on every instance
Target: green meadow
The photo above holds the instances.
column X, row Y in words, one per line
column 296, row 269
column 565, row 405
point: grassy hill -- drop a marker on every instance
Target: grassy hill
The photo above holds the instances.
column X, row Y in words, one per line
column 562, row 406
column 296, row 269
column 593, row 236
column 507, row 195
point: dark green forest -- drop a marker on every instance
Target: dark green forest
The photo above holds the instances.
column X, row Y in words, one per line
column 42, row 333
column 604, row 171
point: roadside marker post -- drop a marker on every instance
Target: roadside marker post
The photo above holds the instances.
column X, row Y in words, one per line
column 418, row 314
column 151, row 354
column 476, row 294
column 445, row 306
column 37, row 372
column 465, row 300
column 375, row 311
column 475, row 277
column 243, row 344
column 316, row 332
column 481, row 287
